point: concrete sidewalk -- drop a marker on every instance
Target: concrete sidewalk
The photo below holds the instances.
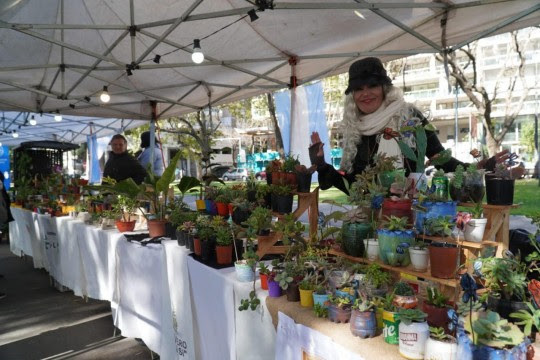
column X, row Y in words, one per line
column 39, row 322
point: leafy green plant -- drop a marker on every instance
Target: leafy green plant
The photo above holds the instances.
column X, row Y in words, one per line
column 263, row 269
column 408, row 316
column 252, row 303
column 396, row 223
column 320, row 310
column 489, row 329
column 438, row 333
column 260, row 219
column 224, row 236
column 504, row 277
column 387, row 302
column 363, row 305
column 421, row 145
column 307, row 283
column 290, row 228
column 290, row 162
column 376, row 276
column 403, row 289
column 439, row 173
column 340, row 301
column 477, row 211
column 527, row 318
column 440, row 226
column 436, row 298
column 284, row 279
column 502, row 172
column 457, row 180
column 282, row 190
column 187, row 184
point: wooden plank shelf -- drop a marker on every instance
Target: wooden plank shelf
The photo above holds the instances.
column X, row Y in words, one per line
column 490, row 207
column 463, row 243
column 453, row 283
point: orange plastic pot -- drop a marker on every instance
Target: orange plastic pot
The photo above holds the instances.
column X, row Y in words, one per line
column 264, row 281
column 222, row 209
column 124, row 226
column 224, row 254
column 197, row 246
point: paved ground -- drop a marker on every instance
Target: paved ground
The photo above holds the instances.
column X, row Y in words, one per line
column 39, row 322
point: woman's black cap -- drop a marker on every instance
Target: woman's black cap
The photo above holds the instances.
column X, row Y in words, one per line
column 366, row 71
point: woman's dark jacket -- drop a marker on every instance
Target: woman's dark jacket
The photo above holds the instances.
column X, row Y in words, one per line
column 367, row 149
column 123, row 166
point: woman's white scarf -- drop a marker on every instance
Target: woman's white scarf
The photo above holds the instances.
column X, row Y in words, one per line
column 393, row 113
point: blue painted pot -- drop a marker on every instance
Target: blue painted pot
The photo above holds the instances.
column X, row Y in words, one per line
column 393, row 249
column 344, row 294
column 468, row 351
column 320, row 299
column 211, row 207
column 244, row 272
column 433, row 210
column 363, row 324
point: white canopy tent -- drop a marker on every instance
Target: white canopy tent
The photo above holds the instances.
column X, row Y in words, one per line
column 58, row 55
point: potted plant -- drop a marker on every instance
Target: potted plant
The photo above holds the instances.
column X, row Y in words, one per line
column 506, row 281
column 486, row 335
column 473, row 184
column 394, row 241
column 207, row 243
column 363, row 319
column 282, row 198
column 260, row 221
column 443, row 256
column 306, row 287
column 288, row 280
column 376, row 280
column 457, row 189
column 500, row 186
column 355, row 228
column 245, row 269
column 390, row 320
column 222, row 200
column 404, row 297
column 289, row 164
column 440, row 346
column 202, row 225
column 274, row 172
column 321, row 311
column 224, row 239
column 185, row 235
column 413, row 333
column 274, row 289
column 419, row 256
column 386, row 170
column 475, row 224
column 126, row 206
column 339, row 308
column 264, row 273
column 528, row 318
column 436, row 307
column 241, row 210
column 430, row 207
column 303, row 177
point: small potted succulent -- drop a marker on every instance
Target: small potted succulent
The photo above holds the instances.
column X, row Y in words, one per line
column 363, row 319
column 404, row 297
column 376, row 280
column 436, row 307
column 306, row 288
column 224, row 240
column 443, row 255
column 475, row 224
column 125, row 206
column 264, row 274
column 413, row 333
column 394, row 241
column 419, row 256
column 339, row 308
column 440, row 345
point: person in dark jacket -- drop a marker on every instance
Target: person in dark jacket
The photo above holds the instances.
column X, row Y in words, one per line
column 121, row 165
column 372, row 107
column 6, row 203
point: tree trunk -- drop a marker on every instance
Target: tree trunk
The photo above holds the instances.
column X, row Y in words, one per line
column 277, row 131
column 492, row 144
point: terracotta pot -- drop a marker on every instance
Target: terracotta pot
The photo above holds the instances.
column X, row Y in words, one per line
column 222, row 209
column 156, row 228
column 291, row 179
column 443, row 259
column 124, row 226
column 436, row 316
column 264, row 281
column 279, row 178
column 197, row 246
column 224, row 254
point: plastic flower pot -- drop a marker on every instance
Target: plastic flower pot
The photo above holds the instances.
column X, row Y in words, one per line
column 224, row 254
column 391, row 246
column 292, row 292
column 320, row 299
column 372, row 249
column 474, row 230
column 353, row 235
column 306, row 298
column 284, row 204
column 505, row 307
column 436, row 316
column 274, row 290
column 434, row 209
column 181, row 237
column 170, row 230
column 399, row 208
column 124, row 226
column 339, row 315
column 390, row 327
column 239, row 216
column 499, row 192
column 244, row 272
column 264, row 281
column 211, row 207
column 208, row 250
column 441, row 350
column 201, row 205
column 419, row 259
column 363, row 324
column 443, row 258
column 405, row 301
column 222, row 209
column 304, row 182
column 467, row 350
column 156, row 228
column 412, row 339
column 197, row 246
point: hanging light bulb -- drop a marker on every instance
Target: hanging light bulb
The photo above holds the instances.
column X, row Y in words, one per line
column 33, row 120
column 15, row 134
column 197, row 56
column 57, row 117
column 105, row 97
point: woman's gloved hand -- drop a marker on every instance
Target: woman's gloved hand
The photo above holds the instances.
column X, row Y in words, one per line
column 316, row 152
column 489, row 164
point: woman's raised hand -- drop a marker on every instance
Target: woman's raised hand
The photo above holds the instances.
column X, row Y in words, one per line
column 316, row 152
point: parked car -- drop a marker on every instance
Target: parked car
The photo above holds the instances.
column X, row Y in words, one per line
column 235, row 174
column 219, row 170
column 261, row 175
